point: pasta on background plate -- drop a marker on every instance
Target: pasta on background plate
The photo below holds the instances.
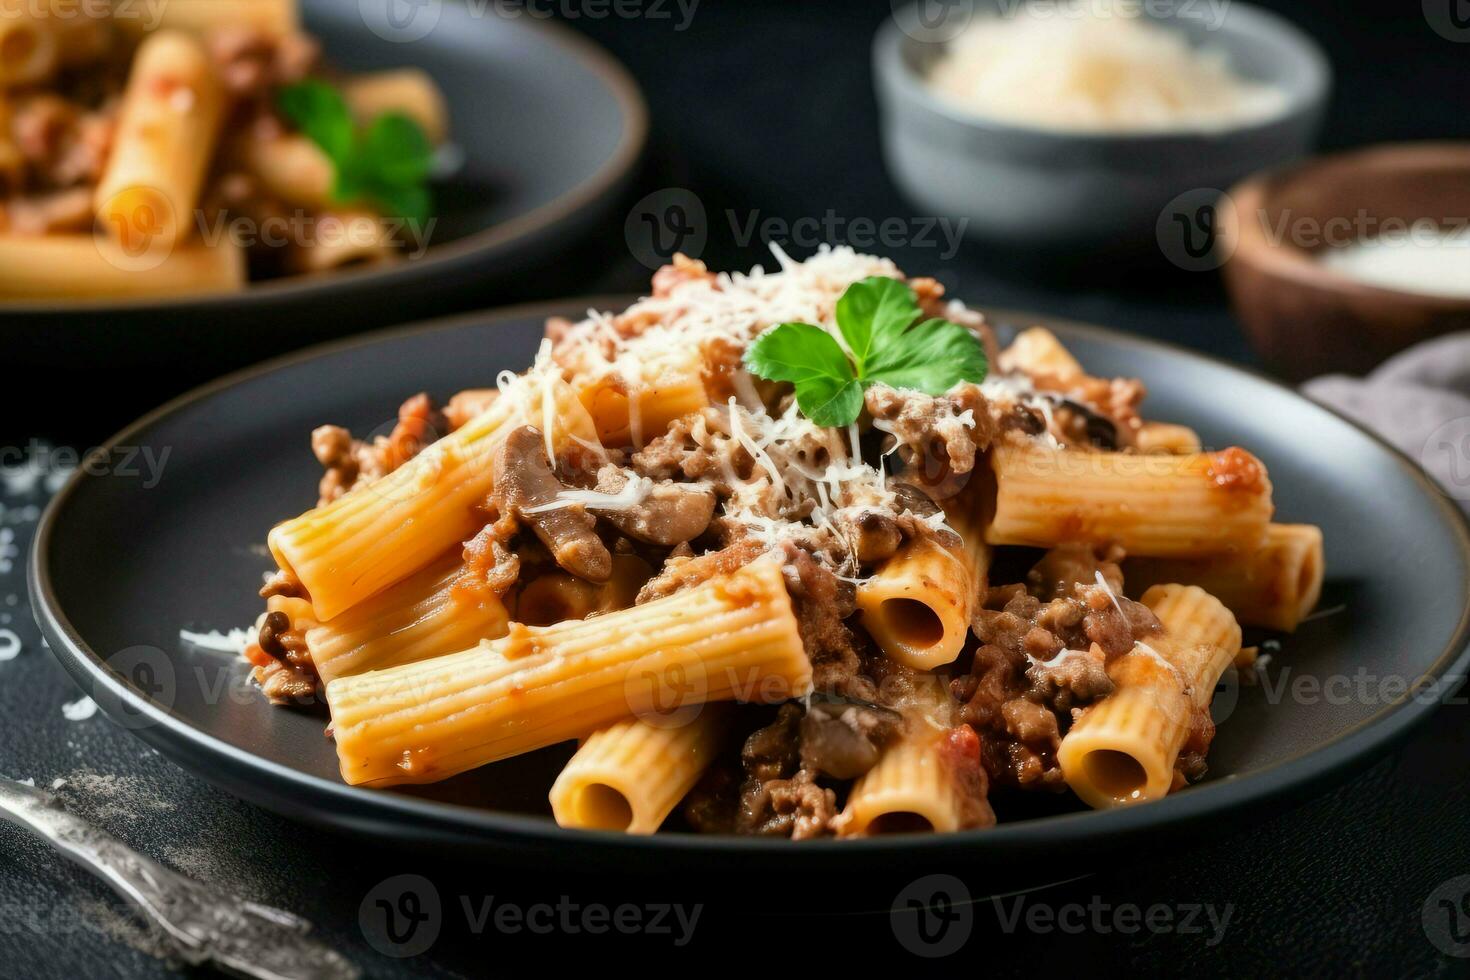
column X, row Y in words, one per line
column 183, row 147
column 799, row 553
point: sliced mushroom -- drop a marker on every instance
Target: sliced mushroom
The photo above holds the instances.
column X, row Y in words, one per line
column 912, row 498
column 873, row 534
column 671, row 514
column 525, row 481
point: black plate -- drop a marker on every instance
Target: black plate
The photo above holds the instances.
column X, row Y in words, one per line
column 551, row 128
column 122, row 562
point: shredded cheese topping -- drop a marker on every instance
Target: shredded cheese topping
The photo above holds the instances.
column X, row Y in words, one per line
column 633, row 493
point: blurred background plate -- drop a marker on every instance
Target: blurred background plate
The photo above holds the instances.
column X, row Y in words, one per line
column 121, row 564
column 551, row 129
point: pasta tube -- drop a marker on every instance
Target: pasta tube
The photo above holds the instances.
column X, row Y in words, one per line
column 1165, row 437
column 410, row 91
column 290, row 167
column 166, row 133
column 1123, row 749
column 1160, row 506
column 557, row 596
column 911, row 789
column 81, row 267
column 732, row 638
column 630, row 775
column 29, row 48
column 385, row 531
column 917, row 606
column 1274, row 586
column 1037, row 351
column 426, row 615
column 343, row 239
column 631, row 412
column 914, row 786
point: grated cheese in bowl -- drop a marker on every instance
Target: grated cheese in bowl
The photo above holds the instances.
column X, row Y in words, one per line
column 1425, row 258
column 1093, row 66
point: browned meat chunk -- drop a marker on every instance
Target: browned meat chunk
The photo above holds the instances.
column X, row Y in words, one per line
column 671, row 514
column 845, row 741
column 779, row 798
column 488, row 560
column 684, row 573
column 935, row 436
column 525, row 483
column 1022, row 689
column 351, row 463
column 874, row 534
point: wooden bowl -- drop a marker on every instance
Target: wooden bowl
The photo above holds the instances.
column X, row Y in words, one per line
column 1305, row 319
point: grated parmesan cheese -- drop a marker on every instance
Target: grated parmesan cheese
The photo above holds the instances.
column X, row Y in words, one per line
column 1062, row 657
column 79, row 710
column 633, row 493
column 1095, row 66
column 233, row 642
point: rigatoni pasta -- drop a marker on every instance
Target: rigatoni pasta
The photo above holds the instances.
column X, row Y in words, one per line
column 671, row 511
column 631, row 775
column 362, row 543
column 199, row 127
column 1153, row 505
column 438, row 610
column 170, row 119
column 1124, row 749
column 82, row 266
column 1274, row 585
column 734, row 638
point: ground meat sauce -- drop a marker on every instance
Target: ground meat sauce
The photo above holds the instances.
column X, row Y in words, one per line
column 1043, row 656
column 283, row 665
column 350, row 462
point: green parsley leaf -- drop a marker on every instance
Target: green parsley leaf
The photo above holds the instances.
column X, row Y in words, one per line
column 932, row 357
column 320, row 112
column 826, row 390
column 397, row 151
column 872, row 313
column 387, row 164
column 876, row 317
column 412, row 203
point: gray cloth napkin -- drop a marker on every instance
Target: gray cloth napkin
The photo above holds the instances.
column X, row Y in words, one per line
column 1419, row 400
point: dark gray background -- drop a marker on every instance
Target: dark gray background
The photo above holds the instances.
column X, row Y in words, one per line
column 767, row 105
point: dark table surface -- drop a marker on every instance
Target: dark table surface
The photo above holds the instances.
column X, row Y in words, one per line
column 763, row 111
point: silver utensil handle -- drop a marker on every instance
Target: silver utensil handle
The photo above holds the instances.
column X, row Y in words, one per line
column 205, row 925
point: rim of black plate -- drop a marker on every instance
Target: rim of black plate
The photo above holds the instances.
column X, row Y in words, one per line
column 523, row 228
column 334, row 801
